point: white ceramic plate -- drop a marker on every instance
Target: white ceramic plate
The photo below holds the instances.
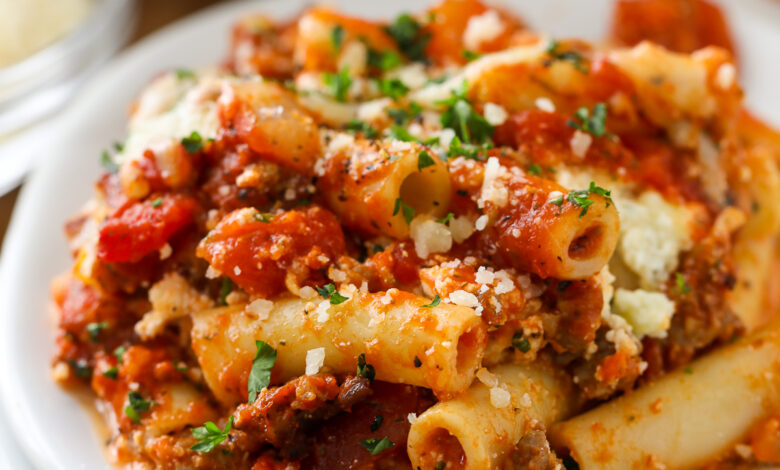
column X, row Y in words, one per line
column 52, row 428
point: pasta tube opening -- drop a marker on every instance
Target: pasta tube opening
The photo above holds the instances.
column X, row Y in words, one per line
column 418, row 190
column 586, row 244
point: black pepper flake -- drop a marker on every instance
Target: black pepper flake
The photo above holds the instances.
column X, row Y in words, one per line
column 417, row 361
column 563, row 285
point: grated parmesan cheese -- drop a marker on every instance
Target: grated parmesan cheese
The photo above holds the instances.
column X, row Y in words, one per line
column 545, row 104
column 411, row 417
column 315, row 358
column 322, row 311
column 493, row 189
column 495, row 115
column 261, row 308
column 461, row 228
column 463, row 298
column 580, row 143
column 725, row 76
column 481, row 222
column 429, row 236
column 482, row 28
column 499, row 397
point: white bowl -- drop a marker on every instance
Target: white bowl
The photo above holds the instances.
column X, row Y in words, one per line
column 53, row 429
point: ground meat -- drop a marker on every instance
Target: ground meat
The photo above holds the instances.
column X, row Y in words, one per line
column 282, row 416
column 575, row 316
column 532, row 452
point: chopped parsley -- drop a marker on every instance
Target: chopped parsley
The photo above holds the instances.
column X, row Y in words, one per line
column 461, row 117
column 137, row 405
column 119, row 353
column 112, row 373
column 356, row 125
column 682, row 285
column 337, row 37
column 436, row 301
column 80, row 368
column 108, row 163
column 210, row 435
column 594, row 123
column 400, row 133
column 374, row 446
column 424, row 160
column 446, row 218
column 534, row 169
column 338, row 83
column 157, row 202
column 470, row 55
column 468, row 151
column 553, row 49
column 521, row 343
column 402, row 116
column 94, row 329
column 409, row 36
column 392, row 87
column 376, row 422
column 688, row 370
column 227, row 287
column 581, row 198
column 384, row 60
column 185, row 74
column 328, row 291
column 408, row 211
column 260, row 374
column 264, row 217
column 365, row 369
column 192, row 143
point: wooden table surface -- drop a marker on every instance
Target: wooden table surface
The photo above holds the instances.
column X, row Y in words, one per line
column 152, row 14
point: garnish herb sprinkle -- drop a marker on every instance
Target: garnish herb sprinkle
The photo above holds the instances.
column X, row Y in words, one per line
column 365, row 369
column 470, row 55
column 112, row 373
column 119, row 353
column 409, row 36
column 688, row 370
column 402, row 116
column 424, row 160
column 400, row 133
column 376, row 422
column 338, row 83
column 157, row 202
column 558, row 201
column 468, row 151
column 534, row 169
column 553, row 49
column 446, row 218
column 264, row 217
column 337, row 37
column 392, row 87
column 436, row 301
column 210, row 435
column 227, row 287
column 185, row 74
column 461, row 117
column 593, row 123
column 407, row 211
column 137, row 405
column 384, row 60
column 328, row 291
column 356, row 125
column 192, row 143
column 581, row 198
column 108, row 163
column 94, row 329
column 375, row 446
column 520, row 343
column 260, row 374
column 682, row 284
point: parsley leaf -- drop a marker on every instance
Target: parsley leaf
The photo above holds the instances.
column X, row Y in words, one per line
column 264, row 217
column 192, row 143
column 157, row 202
column 112, row 373
column 446, row 218
column 260, row 375
column 468, row 151
column 210, row 435
column 376, row 422
column 337, row 37
column 227, row 287
column 534, row 169
column 384, row 60
column 108, row 163
column 682, row 285
column 424, row 160
column 338, row 83
column 185, row 74
column 402, row 116
column 364, row 369
column 553, row 49
column 469, row 55
column 520, row 343
column 436, row 300
column 461, row 117
column 581, row 198
column 409, row 36
column 137, row 405
column 119, row 353
column 392, row 87
column 328, row 291
column 407, row 211
column 356, row 125
column 595, row 124
column 94, row 329
column 401, row 133
column 375, row 446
